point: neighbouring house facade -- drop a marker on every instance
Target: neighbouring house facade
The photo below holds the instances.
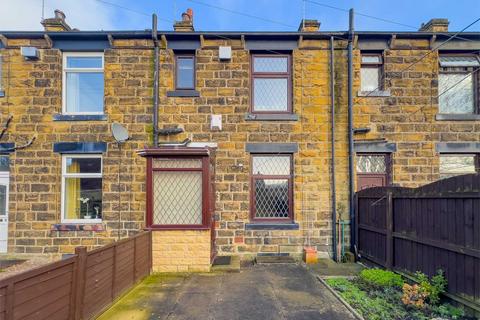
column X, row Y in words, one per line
column 240, row 158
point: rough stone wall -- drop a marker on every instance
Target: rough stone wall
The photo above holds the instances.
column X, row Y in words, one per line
column 407, row 117
column 33, row 96
column 225, row 89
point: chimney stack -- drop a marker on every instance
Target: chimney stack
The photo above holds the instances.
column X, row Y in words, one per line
column 187, row 22
column 435, row 25
column 57, row 23
column 309, row 25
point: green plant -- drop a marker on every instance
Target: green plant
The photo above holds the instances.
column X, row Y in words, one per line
column 371, row 307
column 381, row 278
column 448, row 311
column 434, row 287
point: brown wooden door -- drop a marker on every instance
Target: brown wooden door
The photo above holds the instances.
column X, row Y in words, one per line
column 373, row 170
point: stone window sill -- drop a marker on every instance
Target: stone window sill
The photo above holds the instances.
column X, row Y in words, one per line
column 457, row 117
column 77, row 227
column 183, row 93
column 79, row 117
column 271, row 117
column 376, row 93
column 272, row 226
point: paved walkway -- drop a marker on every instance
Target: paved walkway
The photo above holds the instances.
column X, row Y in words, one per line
column 258, row 292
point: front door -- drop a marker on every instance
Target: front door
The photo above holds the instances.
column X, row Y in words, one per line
column 372, row 170
column 4, row 185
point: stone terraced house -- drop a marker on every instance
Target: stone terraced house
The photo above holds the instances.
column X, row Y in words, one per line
column 240, row 143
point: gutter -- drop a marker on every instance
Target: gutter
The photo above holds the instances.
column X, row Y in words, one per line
column 156, row 76
column 350, row 132
column 332, row 120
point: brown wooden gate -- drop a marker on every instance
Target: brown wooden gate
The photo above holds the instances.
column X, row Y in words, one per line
column 433, row 227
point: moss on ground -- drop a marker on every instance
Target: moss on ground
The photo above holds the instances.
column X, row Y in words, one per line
column 135, row 304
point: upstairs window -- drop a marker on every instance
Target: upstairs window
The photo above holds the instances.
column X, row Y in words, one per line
column 272, row 187
column 458, row 164
column 83, row 83
column 82, row 188
column 271, row 83
column 185, row 71
column 458, row 85
column 371, row 72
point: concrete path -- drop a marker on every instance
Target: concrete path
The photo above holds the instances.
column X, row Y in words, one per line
column 259, row 292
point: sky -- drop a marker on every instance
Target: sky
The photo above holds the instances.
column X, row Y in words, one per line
column 241, row 15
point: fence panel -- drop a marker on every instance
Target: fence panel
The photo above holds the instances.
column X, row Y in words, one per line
column 433, row 227
column 79, row 287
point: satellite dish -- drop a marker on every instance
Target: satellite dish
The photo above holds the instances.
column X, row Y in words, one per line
column 120, row 134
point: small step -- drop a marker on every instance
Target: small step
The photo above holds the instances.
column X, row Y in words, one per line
column 274, row 259
column 226, row 264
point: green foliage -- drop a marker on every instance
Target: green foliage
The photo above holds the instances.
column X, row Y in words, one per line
column 448, row 311
column 433, row 287
column 371, row 307
column 381, row 278
column 377, row 296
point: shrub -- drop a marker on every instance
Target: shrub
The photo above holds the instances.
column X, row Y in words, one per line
column 381, row 278
column 372, row 308
column 448, row 311
column 433, row 287
column 414, row 296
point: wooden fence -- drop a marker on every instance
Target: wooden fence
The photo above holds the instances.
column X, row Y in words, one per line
column 79, row 287
column 433, row 227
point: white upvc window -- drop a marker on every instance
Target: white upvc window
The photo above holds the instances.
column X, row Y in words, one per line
column 83, row 83
column 82, row 188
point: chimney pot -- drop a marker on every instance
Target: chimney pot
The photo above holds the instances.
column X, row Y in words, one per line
column 186, row 24
column 435, row 25
column 57, row 23
column 309, row 25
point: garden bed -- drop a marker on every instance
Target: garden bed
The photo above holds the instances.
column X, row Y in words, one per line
column 383, row 295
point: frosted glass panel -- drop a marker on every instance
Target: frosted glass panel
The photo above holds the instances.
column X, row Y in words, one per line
column 456, row 93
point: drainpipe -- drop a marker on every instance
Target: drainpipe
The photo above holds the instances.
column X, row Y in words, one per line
column 350, row 131
column 332, row 120
column 155, row 80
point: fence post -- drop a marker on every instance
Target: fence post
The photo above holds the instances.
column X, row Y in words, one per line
column 114, row 271
column 389, row 244
column 135, row 259
column 9, row 301
column 78, row 286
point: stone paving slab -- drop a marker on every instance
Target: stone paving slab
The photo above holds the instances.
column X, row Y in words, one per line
column 285, row 291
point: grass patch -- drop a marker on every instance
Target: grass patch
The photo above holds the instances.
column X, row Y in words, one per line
column 380, row 295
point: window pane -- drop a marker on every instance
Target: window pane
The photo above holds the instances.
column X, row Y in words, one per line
column 271, row 198
column 177, row 197
column 4, row 163
column 185, row 72
column 459, row 61
column 84, row 165
column 3, row 199
column 453, row 165
column 371, row 164
column 370, row 79
column 270, row 94
column 456, row 93
column 83, row 198
column 84, row 62
column 371, row 59
column 177, row 163
column 266, row 165
column 270, row 64
column 84, row 92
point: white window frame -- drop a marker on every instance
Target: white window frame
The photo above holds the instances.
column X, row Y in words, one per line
column 78, row 175
column 79, row 70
